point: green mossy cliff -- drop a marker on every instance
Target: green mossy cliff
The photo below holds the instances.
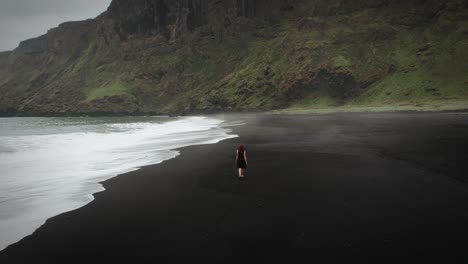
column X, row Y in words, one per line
column 190, row 56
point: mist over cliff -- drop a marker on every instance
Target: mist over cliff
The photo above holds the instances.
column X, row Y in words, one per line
column 188, row 56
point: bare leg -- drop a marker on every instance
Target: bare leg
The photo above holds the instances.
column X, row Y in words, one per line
column 240, row 172
column 243, row 171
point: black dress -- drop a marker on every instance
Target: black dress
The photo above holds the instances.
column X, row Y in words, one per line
column 241, row 164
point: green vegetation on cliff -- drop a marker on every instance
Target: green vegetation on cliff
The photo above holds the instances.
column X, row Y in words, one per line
column 376, row 57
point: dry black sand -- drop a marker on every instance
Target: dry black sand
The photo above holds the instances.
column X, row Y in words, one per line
column 338, row 185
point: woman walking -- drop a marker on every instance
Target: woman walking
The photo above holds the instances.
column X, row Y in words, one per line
column 241, row 160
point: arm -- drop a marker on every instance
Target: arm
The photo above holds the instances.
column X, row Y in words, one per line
column 237, row 155
column 245, row 156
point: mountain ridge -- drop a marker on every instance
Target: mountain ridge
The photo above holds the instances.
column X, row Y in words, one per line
column 189, row 56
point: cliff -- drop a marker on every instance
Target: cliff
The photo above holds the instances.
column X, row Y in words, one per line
column 186, row 56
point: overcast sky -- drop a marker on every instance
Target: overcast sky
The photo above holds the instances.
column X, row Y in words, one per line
column 25, row 19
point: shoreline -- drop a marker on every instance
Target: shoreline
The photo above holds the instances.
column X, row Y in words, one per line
column 33, row 204
column 194, row 206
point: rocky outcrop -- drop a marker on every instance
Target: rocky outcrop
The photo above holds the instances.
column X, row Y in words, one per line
column 175, row 19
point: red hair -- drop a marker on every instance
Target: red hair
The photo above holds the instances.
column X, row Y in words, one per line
column 241, row 148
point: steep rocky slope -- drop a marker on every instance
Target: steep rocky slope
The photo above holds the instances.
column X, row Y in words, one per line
column 162, row 56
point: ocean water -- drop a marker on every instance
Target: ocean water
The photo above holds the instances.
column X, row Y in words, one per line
column 52, row 165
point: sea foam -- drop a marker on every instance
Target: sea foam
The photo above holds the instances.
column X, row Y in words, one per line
column 58, row 170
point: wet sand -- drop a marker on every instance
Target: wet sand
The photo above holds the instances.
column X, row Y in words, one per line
column 334, row 186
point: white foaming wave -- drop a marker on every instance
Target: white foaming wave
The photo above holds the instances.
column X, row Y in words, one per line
column 51, row 174
column 130, row 126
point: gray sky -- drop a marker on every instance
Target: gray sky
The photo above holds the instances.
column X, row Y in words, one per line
column 25, row 19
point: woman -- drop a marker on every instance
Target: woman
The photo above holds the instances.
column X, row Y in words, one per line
column 241, row 160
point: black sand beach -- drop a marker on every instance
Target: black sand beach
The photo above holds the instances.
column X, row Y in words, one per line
column 334, row 185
